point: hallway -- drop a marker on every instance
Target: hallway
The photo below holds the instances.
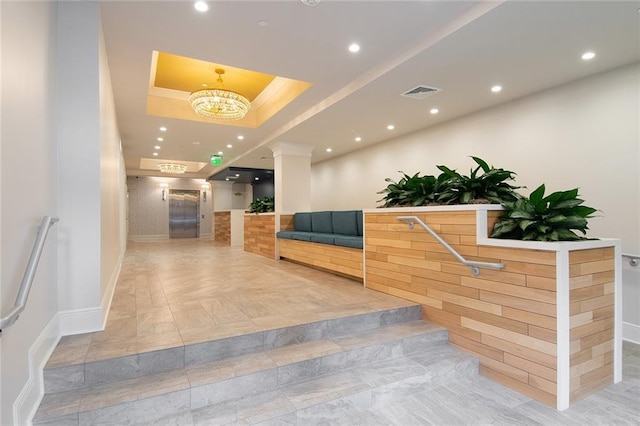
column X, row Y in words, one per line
column 185, row 291
column 182, row 293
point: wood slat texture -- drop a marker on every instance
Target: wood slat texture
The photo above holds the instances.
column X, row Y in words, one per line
column 222, row 227
column 342, row 260
column 260, row 234
column 591, row 280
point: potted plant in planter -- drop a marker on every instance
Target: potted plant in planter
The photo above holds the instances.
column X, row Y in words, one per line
column 485, row 184
column 539, row 218
column 262, row 205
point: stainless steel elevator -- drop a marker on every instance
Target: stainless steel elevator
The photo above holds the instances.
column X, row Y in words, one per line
column 184, row 210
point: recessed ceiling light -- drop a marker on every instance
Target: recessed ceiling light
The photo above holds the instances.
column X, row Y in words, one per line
column 329, row 150
column 434, row 110
column 160, row 139
column 229, row 146
column 201, row 6
column 157, row 147
column 263, row 23
column 358, row 139
column 155, row 154
column 204, row 85
column 195, row 143
column 240, row 137
column 588, row 55
column 219, row 152
column 310, row 2
column 391, row 127
column 354, row 47
column 163, row 129
column 256, row 178
column 496, row 89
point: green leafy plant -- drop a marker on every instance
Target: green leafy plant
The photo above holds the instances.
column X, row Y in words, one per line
column 262, row 205
column 485, row 184
column 411, row 191
column 539, row 218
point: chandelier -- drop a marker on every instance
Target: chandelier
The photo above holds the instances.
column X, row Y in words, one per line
column 172, row 168
column 219, row 103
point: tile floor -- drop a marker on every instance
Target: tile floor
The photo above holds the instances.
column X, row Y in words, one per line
column 181, row 292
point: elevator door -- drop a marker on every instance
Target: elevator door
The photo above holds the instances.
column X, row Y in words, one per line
column 183, row 213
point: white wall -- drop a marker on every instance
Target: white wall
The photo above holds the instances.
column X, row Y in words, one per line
column 149, row 214
column 584, row 134
column 28, row 171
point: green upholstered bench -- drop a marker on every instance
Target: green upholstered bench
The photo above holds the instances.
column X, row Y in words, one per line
column 340, row 228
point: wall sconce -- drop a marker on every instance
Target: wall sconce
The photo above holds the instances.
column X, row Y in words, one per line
column 204, row 192
column 164, row 187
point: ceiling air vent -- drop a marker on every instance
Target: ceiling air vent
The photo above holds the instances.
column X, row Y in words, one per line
column 421, row 92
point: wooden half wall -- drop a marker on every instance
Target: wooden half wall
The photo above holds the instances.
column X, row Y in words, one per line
column 543, row 325
column 260, row 234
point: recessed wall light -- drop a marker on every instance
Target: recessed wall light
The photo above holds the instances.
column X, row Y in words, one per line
column 155, row 154
column 329, row 150
column 496, row 89
column 358, row 139
column 160, row 139
column 354, row 47
column 157, row 147
column 434, row 110
column 240, row 137
column 163, row 129
column 391, row 127
column 588, row 55
column 229, row 146
column 201, row 6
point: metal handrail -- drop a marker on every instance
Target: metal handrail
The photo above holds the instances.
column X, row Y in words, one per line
column 633, row 258
column 474, row 265
column 29, row 273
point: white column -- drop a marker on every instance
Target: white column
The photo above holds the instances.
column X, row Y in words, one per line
column 292, row 180
column 222, row 195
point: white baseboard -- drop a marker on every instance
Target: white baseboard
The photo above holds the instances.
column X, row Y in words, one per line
column 27, row 402
column 148, row 238
column 107, row 297
column 631, row 332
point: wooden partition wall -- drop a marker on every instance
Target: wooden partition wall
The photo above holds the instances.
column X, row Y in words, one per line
column 543, row 325
column 222, row 227
column 260, row 234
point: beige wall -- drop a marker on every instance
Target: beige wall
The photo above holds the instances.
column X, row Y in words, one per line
column 149, row 214
column 584, row 134
column 28, row 172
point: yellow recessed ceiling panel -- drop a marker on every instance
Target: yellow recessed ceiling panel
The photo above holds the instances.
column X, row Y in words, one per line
column 173, row 78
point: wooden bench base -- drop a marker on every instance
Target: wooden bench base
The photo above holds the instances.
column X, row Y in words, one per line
column 341, row 260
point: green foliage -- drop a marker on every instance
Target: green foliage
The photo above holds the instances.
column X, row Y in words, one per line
column 262, row 205
column 539, row 218
column 484, row 184
column 450, row 187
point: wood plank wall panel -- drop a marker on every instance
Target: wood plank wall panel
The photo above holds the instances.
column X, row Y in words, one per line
column 505, row 317
column 286, row 222
column 222, row 228
column 260, row 234
column 591, row 284
column 342, row 260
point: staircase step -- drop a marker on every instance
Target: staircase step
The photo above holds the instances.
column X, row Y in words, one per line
column 287, row 378
column 77, row 374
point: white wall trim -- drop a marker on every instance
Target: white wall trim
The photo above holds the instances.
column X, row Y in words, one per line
column 105, row 304
column 79, row 321
column 631, row 332
column 27, row 402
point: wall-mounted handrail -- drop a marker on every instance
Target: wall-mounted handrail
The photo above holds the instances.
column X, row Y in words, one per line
column 29, row 273
column 474, row 265
column 633, row 258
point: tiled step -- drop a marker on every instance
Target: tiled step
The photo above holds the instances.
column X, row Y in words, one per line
column 75, row 375
column 279, row 381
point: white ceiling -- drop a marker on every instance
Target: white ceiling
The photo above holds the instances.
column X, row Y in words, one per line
column 461, row 47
